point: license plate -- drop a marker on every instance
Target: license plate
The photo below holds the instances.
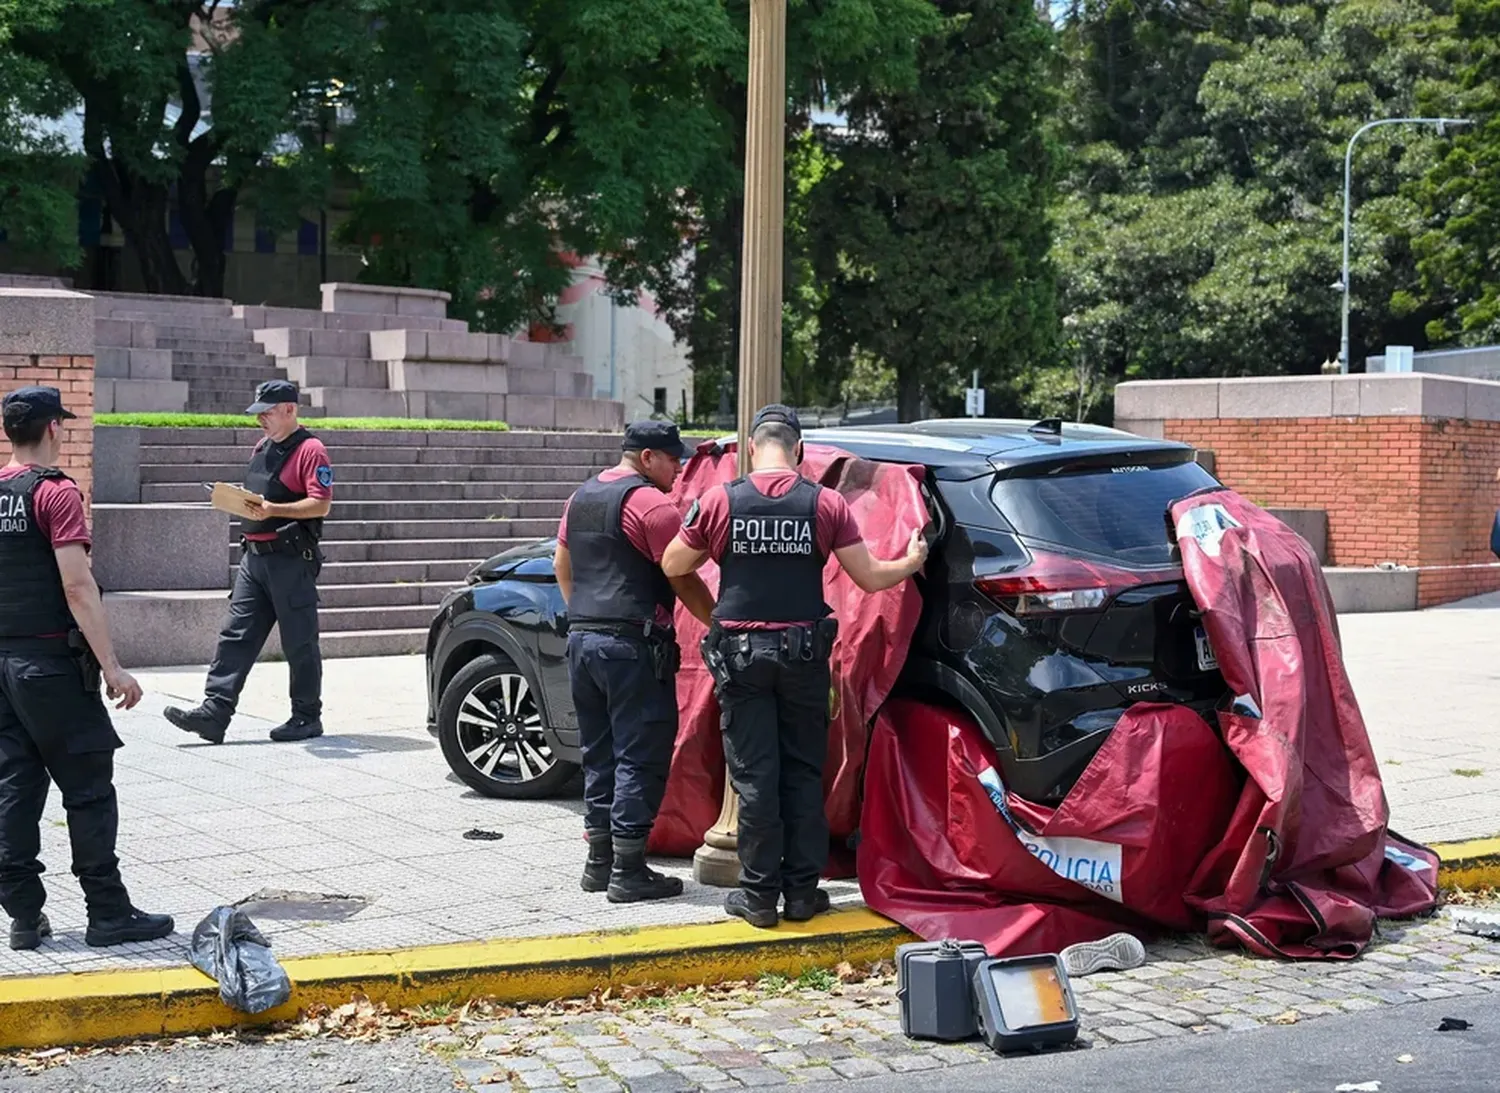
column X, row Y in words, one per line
column 1207, row 662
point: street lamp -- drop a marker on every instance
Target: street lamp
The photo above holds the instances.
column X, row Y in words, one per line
column 1343, row 284
column 716, row 862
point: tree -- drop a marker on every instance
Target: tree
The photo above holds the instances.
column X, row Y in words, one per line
column 932, row 232
column 38, row 173
column 833, row 48
column 1199, row 227
column 144, row 73
column 1459, row 252
column 491, row 141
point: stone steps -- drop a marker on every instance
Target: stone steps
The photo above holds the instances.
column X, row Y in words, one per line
column 393, row 491
column 414, row 512
column 194, row 346
column 394, row 594
column 346, row 455
column 412, row 474
column 249, row 357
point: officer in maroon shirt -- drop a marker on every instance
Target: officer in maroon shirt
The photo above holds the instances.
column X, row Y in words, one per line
column 277, row 580
column 623, row 655
column 771, row 533
column 54, row 649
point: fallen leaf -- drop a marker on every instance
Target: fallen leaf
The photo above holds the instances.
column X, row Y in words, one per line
column 1290, row 1017
column 1404, row 1059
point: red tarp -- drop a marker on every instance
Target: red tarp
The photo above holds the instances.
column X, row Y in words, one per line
column 874, row 634
column 1284, row 851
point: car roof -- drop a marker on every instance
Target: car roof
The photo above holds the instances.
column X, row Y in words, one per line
column 966, row 447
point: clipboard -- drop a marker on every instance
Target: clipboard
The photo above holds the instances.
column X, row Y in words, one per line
column 227, row 497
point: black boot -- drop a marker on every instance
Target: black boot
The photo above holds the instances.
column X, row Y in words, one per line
column 752, row 908
column 601, row 862
column 297, row 728
column 632, row 880
column 27, row 933
column 132, row 926
column 800, row 908
column 200, row 720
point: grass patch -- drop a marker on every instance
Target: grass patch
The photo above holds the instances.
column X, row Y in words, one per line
column 1467, row 772
column 244, row 421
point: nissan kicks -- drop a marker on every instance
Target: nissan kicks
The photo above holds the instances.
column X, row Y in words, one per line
column 1052, row 602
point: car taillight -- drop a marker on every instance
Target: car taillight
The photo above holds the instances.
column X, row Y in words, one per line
column 1055, row 584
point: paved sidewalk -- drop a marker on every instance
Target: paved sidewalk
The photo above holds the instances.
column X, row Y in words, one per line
column 371, row 811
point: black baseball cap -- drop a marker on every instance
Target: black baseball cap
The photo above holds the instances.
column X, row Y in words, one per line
column 272, row 393
column 776, row 412
column 656, row 436
column 34, row 404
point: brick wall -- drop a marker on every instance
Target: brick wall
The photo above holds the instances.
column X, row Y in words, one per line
column 74, row 377
column 1419, row 491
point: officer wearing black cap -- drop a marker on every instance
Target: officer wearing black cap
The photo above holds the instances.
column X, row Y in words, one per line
column 54, row 649
column 623, row 655
column 276, row 582
column 768, row 648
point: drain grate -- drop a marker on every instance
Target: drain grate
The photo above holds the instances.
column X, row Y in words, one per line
column 279, row 905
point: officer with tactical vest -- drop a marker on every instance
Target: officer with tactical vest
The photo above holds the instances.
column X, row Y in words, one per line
column 54, row 649
column 623, row 655
column 276, row 583
column 768, row 648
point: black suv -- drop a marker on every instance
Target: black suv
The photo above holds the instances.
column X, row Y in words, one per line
column 1052, row 602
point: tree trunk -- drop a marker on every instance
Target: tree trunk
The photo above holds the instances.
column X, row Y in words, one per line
column 908, row 392
column 141, row 208
column 207, row 221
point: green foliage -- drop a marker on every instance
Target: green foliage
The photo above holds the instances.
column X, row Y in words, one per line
column 931, row 236
column 1200, row 222
column 1459, row 252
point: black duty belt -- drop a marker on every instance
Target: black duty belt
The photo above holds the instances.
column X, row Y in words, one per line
column 646, row 631
column 37, row 647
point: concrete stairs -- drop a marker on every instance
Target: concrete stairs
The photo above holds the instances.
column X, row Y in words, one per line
column 213, row 361
column 413, row 513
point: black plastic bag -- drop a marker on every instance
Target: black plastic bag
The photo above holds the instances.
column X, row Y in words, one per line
column 228, row 947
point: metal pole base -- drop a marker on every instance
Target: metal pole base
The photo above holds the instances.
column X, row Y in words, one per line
column 717, row 862
column 716, row 867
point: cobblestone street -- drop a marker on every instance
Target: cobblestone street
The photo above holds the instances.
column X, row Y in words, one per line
column 798, row 1032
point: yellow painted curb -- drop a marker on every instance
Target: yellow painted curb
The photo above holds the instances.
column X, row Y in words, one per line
column 1471, row 864
column 99, row 1007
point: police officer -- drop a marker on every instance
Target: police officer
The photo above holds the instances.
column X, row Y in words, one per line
column 623, row 655
column 276, row 583
column 771, row 533
column 54, row 647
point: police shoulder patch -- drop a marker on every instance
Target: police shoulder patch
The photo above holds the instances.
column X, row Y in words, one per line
column 692, row 514
column 325, row 475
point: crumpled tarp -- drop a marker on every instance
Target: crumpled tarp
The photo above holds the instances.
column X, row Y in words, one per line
column 875, row 631
column 1269, row 833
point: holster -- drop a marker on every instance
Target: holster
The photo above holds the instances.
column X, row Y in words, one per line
column 713, row 656
column 296, row 539
column 666, row 658
column 810, row 643
column 88, row 664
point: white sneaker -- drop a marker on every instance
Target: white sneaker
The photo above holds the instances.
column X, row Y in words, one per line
column 1116, row 953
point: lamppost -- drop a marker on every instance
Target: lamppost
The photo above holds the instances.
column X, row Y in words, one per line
column 717, row 861
column 1442, row 124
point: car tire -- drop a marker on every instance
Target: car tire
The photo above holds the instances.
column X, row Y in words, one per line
column 490, row 729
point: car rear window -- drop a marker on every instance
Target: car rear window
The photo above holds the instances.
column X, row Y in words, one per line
column 1118, row 512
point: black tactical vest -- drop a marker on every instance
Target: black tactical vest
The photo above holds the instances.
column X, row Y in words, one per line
column 772, row 570
column 32, row 603
column 613, row 582
column 264, row 478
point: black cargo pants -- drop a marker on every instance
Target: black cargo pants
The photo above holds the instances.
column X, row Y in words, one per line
column 279, row 589
column 774, row 715
column 53, row 729
column 627, row 725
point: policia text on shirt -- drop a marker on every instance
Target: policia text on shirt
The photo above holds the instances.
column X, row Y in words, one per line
column 276, row 583
column 55, row 649
column 768, row 647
